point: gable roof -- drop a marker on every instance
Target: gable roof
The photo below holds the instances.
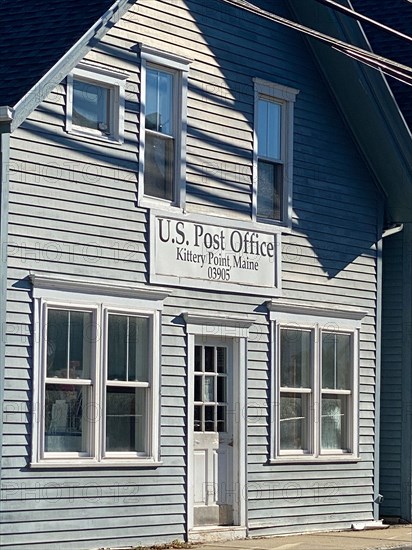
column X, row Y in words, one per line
column 398, row 15
column 366, row 104
column 42, row 40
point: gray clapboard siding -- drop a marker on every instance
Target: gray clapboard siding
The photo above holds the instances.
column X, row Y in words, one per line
column 219, row 82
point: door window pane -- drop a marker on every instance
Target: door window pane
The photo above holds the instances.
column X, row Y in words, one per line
column 334, row 421
column 126, row 419
column 198, row 418
column 90, row 106
column 209, row 418
column 209, row 389
column 198, row 388
column 67, row 412
column 221, row 389
column 198, row 358
column 221, row 360
column 293, row 421
column 336, row 361
column 221, row 419
column 209, row 359
column 295, row 357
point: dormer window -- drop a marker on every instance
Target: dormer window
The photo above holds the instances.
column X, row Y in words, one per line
column 95, row 103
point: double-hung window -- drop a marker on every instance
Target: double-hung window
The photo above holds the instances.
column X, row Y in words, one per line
column 95, row 103
column 315, row 384
column 97, row 380
column 273, row 159
column 162, row 128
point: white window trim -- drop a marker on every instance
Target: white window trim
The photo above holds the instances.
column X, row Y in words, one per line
column 133, row 301
column 116, row 83
column 345, row 320
column 180, row 67
column 286, row 97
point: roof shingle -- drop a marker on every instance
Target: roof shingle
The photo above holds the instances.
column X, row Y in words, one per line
column 35, row 34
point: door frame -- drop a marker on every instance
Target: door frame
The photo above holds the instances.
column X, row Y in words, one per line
column 236, row 330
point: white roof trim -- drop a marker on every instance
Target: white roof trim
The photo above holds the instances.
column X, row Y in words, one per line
column 218, row 319
column 6, row 113
column 339, row 312
column 93, row 286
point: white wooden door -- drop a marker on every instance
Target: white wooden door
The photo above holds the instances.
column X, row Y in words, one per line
column 213, row 435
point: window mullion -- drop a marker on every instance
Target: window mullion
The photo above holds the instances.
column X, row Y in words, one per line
column 317, row 383
column 68, row 345
column 100, row 373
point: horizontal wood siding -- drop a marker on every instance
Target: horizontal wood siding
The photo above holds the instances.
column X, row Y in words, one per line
column 73, row 212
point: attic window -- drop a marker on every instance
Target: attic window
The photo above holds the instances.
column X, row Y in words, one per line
column 95, row 103
column 91, row 106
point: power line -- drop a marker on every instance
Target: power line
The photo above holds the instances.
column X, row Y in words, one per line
column 391, row 68
column 360, row 17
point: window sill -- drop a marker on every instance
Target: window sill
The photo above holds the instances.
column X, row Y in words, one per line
column 326, row 459
column 284, row 227
column 159, row 204
column 81, row 463
column 110, row 139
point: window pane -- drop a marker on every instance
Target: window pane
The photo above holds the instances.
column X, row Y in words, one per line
column 269, row 129
column 70, row 336
column 262, row 125
column 128, row 348
column 293, row 421
column 81, row 340
column 67, row 415
column 336, row 361
column 57, row 343
column 126, row 419
column 335, row 422
column 295, row 357
column 117, row 348
column 138, row 349
column 159, row 101
column 269, row 190
column 274, row 130
column 90, row 106
column 159, row 156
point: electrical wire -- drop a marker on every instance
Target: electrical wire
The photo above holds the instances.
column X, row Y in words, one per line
column 360, row 17
column 391, row 68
